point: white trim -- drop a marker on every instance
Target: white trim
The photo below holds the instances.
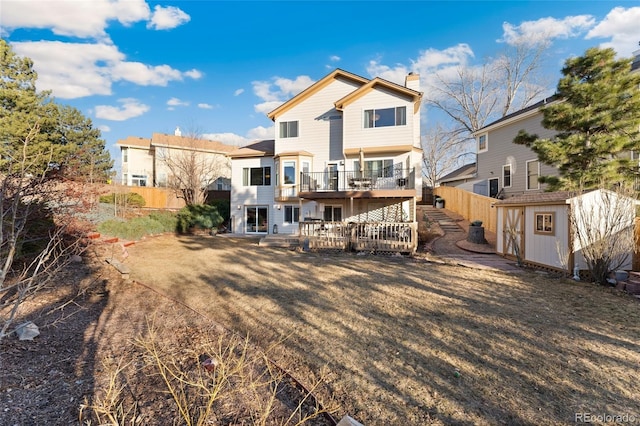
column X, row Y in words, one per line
column 486, row 142
column 510, row 176
column 526, row 175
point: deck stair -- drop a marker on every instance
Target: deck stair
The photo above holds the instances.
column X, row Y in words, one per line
column 632, row 285
column 280, row 240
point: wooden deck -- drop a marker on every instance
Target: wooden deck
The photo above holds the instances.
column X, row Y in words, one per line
column 377, row 237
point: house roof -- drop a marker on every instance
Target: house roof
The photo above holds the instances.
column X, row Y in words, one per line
column 557, row 197
column 466, row 171
column 172, row 141
column 368, row 87
column 514, row 116
column 314, row 88
column 135, row 141
column 263, row 148
column 365, row 84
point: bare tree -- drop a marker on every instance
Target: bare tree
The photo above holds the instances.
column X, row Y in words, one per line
column 471, row 96
column 442, row 150
column 30, row 201
column 193, row 167
column 604, row 230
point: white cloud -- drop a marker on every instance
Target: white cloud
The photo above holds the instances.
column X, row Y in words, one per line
column 426, row 64
column 262, row 133
column 622, row 26
column 205, row 106
column 79, row 74
column 177, row 102
column 87, row 19
column 104, row 128
column 226, row 138
column 165, row 18
column 238, row 92
column 334, row 58
column 90, row 68
column 194, row 74
column 130, row 108
column 267, row 107
column 545, row 30
column 145, row 75
column 277, row 91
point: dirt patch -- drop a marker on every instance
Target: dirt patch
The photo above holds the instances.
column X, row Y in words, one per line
column 388, row 340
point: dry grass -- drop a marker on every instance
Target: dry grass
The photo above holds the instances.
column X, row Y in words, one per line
column 406, row 341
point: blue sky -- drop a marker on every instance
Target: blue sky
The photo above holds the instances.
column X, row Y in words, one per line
column 216, row 68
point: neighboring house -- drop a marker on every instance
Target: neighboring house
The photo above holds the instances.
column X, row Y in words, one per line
column 144, row 161
column 537, row 227
column 466, row 173
column 347, row 150
column 505, row 169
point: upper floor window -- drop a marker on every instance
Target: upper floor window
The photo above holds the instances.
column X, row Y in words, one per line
column 256, row 176
column 375, row 168
column 385, row 117
column 482, row 143
column 289, row 172
column 533, row 172
column 125, row 155
column 289, row 129
column 506, row 176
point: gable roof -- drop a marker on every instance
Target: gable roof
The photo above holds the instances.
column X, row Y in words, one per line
column 372, row 84
column 263, row 148
column 518, row 115
column 182, row 142
column 134, row 141
column 466, row 171
column 314, row 88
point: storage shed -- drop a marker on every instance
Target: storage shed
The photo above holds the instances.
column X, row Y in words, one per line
column 537, row 227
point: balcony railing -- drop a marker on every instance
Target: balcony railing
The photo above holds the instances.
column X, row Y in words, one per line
column 367, row 180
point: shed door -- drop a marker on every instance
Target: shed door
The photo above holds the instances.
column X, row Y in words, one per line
column 513, row 232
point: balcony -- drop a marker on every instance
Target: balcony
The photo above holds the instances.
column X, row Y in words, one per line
column 358, row 184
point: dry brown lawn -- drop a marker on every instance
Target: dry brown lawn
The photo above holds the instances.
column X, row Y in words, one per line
column 404, row 341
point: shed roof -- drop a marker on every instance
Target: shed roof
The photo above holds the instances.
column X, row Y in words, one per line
column 540, row 198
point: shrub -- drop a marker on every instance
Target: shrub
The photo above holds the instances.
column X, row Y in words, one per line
column 154, row 223
column 198, row 216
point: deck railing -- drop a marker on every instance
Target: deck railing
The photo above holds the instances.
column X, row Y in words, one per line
column 365, row 180
column 396, row 237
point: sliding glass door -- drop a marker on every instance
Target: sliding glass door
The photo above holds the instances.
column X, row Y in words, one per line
column 257, row 219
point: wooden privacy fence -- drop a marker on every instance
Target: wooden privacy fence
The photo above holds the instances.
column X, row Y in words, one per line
column 469, row 205
column 392, row 237
column 154, row 198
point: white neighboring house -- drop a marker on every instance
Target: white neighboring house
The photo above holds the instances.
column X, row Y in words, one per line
column 347, row 149
column 143, row 159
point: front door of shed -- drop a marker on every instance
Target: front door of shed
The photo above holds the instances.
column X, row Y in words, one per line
column 513, row 232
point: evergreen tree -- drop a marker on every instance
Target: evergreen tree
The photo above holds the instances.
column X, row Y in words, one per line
column 597, row 119
column 65, row 138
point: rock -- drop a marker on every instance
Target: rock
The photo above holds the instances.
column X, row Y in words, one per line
column 27, row 331
column 76, row 258
column 348, row 421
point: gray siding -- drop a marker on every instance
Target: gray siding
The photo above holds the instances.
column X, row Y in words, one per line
column 501, row 150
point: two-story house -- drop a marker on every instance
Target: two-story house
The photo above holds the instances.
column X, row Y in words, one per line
column 147, row 161
column 346, row 150
column 503, row 168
